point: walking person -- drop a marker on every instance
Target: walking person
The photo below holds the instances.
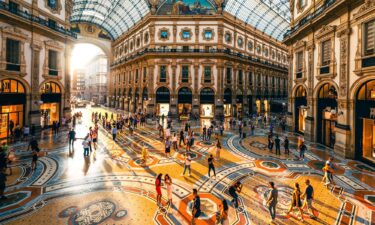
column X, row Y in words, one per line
column 286, row 145
column 144, row 154
column 168, row 187
column 86, row 145
column 302, row 150
column 182, row 137
column 34, row 160
column 308, row 195
column 174, row 142
column 277, row 145
column 72, row 137
column 223, row 217
column 158, row 189
column 211, row 166
column 328, row 172
column 218, row 149
column 233, row 190
column 272, row 201
column 168, row 144
column 296, row 200
column 187, row 164
column 270, row 143
column 114, row 132
column 196, row 211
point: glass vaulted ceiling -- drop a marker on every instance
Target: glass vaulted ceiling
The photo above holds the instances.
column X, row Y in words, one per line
column 117, row 16
column 114, row 16
column 269, row 16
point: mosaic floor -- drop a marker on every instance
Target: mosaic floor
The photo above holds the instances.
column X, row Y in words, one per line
column 113, row 186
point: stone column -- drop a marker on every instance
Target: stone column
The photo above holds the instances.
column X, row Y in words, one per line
column 343, row 130
column 173, row 109
column 66, row 104
column 310, row 120
column 290, row 114
column 220, row 92
column 151, row 89
column 33, row 109
column 196, row 102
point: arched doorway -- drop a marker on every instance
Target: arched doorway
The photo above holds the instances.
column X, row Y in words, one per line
column 327, row 115
column 12, row 106
column 227, row 102
column 300, row 109
column 250, row 102
column 144, row 98
column 239, row 104
column 51, row 103
column 207, row 103
column 365, row 122
column 162, row 101
column 185, row 101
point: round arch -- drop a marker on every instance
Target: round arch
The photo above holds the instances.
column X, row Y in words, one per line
column 363, row 119
column 25, row 84
column 61, row 86
column 320, row 84
column 357, row 85
column 295, row 89
column 103, row 45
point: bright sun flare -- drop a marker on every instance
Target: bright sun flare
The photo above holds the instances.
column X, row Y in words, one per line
column 82, row 54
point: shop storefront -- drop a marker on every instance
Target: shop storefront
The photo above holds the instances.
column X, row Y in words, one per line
column 250, row 104
column 227, row 102
column 300, row 103
column 327, row 115
column 185, row 101
column 162, row 101
column 50, row 108
column 207, row 103
column 130, row 98
column 365, row 122
column 239, row 105
column 12, row 106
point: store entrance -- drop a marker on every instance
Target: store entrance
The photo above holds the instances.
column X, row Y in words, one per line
column 10, row 116
column 327, row 115
column 207, row 103
column 365, row 122
column 49, row 113
column 162, row 101
column 228, row 102
column 185, row 100
column 300, row 109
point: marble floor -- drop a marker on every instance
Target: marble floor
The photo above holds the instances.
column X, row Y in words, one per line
column 113, row 186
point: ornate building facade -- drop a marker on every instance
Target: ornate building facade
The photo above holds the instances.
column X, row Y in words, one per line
column 331, row 75
column 35, row 45
column 182, row 59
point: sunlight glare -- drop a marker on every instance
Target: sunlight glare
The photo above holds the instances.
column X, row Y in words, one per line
column 82, row 54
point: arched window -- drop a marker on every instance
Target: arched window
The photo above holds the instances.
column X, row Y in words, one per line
column 50, row 88
column 11, row 86
column 300, row 92
column 327, row 91
column 367, row 91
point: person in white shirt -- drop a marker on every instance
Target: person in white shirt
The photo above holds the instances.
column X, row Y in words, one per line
column 86, row 145
column 187, row 164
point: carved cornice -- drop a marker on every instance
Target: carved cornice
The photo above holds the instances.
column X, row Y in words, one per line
column 365, row 8
column 325, row 30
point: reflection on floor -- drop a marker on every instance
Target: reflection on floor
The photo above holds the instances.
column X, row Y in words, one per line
column 114, row 186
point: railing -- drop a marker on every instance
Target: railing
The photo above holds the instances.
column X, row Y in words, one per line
column 36, row 19
column 310, row 17
column 212, row 51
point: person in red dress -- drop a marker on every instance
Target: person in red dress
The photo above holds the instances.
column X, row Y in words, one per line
column 158, row 189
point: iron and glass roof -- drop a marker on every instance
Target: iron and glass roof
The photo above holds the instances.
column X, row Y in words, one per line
column 117, row 16
column 269, row 16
